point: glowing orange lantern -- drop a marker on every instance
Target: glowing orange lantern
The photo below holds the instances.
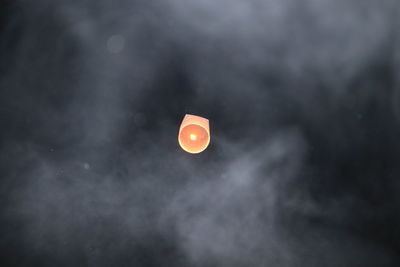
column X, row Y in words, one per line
column 194, row 134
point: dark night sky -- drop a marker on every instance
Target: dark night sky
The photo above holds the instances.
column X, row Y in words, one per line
column 303, row 99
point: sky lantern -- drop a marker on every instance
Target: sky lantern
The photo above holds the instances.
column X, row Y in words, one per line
column 194, row 134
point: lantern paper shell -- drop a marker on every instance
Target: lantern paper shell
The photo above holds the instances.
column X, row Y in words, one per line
column 194, row 134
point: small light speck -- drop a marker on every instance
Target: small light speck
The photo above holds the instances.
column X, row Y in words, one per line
column 86, row 166
column 116, row 43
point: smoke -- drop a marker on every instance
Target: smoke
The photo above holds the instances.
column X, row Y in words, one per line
column 302, row 99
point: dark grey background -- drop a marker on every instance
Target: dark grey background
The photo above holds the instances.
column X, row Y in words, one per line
column 303, row 99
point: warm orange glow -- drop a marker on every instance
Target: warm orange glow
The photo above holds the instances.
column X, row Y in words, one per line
column 194, row 134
